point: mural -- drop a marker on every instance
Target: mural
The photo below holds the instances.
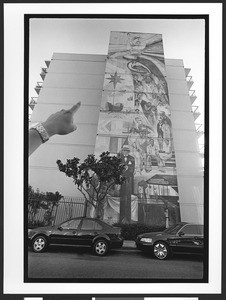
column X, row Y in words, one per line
column 135, row 123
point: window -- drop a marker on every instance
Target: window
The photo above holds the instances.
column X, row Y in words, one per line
column 72, row 224
column 173, row 229
column 88, row 225
column 192, row 229
column 98, row 226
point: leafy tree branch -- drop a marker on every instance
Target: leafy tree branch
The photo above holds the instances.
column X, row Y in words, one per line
column 94, row 177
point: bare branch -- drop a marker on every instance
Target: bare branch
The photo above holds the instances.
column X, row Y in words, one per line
column 84, row 194
column 93, row 185
column 106, row 191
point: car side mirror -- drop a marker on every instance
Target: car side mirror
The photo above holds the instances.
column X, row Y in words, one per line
column 181, row 233
column 60, row 228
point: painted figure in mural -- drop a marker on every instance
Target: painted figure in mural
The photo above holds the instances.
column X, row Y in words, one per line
column 159, row 129
column 165, row 125
column 141, row 193
column 136, row 45
column 141, row 189
column 166, row 152
column 162, row 88
column 148, row 109
column 127, row 187
column 152, row 192
column 150, row 83
column 139, row 126
column 132, row 142
column 149, row 192
column 160, row 143
column 161, row 101
column 137, row 81
column 142, row 149
column 145, row 80
column 142, row 185
column 153, row 153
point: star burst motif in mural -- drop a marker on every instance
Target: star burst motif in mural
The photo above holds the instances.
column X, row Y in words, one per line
column 115, row 79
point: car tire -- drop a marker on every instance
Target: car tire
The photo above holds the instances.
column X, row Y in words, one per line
column 100, row 247
column 161, row 250
column 39, row 244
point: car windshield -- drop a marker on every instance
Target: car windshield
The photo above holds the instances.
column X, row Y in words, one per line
column 173, row 229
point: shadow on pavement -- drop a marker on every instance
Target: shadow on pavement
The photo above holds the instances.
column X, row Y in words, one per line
column 176, row 256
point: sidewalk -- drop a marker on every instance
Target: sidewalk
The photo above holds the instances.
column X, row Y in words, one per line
column 129, row 245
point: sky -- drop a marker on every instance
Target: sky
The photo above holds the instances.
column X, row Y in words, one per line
column 182, row 39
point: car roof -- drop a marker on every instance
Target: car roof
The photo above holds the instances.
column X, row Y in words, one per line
column 87, row 218
column 84, row 218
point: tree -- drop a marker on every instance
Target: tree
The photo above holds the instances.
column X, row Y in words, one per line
column 35, row 199
column 38, row 200
column 51, row 201
column 94, row 177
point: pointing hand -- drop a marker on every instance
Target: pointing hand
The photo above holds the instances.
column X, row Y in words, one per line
column 62, row 121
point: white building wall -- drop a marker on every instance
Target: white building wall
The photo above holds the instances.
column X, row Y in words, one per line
column 188, row 160
column 70, row 78
column 74, row 77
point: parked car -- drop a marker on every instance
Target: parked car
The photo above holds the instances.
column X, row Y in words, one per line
column 180, row 238
column 79, row 231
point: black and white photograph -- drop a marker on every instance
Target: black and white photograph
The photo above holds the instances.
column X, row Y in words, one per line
column 116, row 185
column 116, row 148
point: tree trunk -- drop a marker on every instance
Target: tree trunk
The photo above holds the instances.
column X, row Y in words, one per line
column 99, row 211
column 85, row 208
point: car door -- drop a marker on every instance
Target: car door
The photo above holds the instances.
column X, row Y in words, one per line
column 172, row 236
column 89, row 229
column 190, row 239
column 66, row 233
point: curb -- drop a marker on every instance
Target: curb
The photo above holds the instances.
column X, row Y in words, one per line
column 129, row 245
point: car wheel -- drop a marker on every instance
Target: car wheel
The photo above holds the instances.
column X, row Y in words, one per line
column 100, row 247
column 39, row 244
column 161, row 250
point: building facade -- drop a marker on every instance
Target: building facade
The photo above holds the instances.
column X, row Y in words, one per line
column 131, row 98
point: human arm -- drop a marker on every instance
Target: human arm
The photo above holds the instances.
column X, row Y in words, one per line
column 60, row 122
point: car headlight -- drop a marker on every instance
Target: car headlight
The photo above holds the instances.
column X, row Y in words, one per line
column 146, row 240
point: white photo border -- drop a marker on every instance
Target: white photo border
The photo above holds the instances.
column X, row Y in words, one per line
column 13, row 132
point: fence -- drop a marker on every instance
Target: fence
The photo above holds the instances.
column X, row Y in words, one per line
column 43, row 213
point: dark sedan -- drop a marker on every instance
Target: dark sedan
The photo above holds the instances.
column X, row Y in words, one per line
column 79, row 231
column 180, row 238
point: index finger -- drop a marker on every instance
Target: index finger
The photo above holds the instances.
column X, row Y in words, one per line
column 75, row 107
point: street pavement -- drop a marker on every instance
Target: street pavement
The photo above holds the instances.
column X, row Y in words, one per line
column 77, row 263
